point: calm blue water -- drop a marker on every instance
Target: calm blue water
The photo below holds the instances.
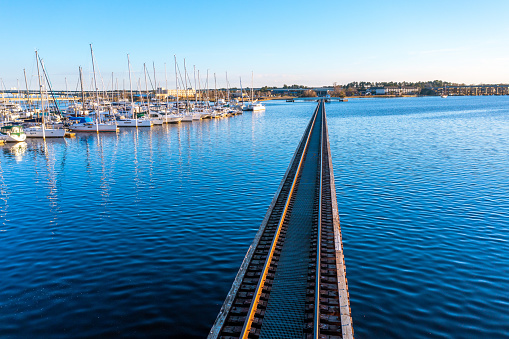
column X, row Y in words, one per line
column 141, row 234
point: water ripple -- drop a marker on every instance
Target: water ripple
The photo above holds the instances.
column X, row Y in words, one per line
column 141, row 234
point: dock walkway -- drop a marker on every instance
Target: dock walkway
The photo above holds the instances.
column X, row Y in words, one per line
column 277, row 292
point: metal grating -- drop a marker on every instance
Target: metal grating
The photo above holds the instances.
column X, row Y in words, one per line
column 285, row 313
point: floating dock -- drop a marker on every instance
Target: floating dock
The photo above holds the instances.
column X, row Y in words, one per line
column 292, row 282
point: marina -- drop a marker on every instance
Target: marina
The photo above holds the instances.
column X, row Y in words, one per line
column 21, row 117
column 36, row 124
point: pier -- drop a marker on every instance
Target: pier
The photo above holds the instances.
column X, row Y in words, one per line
column 292, row 282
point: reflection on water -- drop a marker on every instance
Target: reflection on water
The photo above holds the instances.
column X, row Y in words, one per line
column 14, row 149
column 136, row 231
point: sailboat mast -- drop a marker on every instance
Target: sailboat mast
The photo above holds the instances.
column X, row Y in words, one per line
column 26, row 85
column 40, row 87
column 82, row 93
column 195, row 92
column 98, row 114
column 139, row 92
column 208, row 98
column 215, row 89
column 42, row 101
column 186, row 89
column 199, row 88
column 252, row 84
column 155, row 83
column 155, row 80
column 130, row 86
column 166, row 88
column 176, row 82
column 146, row 88
column 49, row 85
column 141, row 100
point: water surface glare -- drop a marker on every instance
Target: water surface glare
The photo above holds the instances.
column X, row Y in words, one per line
column 141, row 234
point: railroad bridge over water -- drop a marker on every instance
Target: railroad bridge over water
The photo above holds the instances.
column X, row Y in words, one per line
column 292, row 282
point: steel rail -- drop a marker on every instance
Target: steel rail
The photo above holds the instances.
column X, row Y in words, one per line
column 263, row 276
column 316, row 323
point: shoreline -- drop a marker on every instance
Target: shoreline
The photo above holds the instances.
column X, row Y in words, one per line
column 381, row 96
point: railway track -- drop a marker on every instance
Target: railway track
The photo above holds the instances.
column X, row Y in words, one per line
column 292, row 282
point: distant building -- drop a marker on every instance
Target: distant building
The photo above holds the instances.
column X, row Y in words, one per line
column 320, row 91
column 392, row 90
column 410, row 90
column 237, row 94
column 471, row 90
column 376, row 90
column 182, row 93
column 404, row 90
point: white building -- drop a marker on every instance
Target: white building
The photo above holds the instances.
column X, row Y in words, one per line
column 376, row 90
column 182, row 93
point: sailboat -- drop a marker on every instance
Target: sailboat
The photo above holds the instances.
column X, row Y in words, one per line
column 134, row 121
column 153, row 115
column 188, row 116
column 87, row 124
column 43, row 131
column 167, row 114
column 253, row 105
column 12, row 133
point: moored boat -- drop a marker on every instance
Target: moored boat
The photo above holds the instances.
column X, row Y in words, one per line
column 254, row 106
column 171, row 118
column 134, row 123
column 190, row 117
column 42, row 131
column 12, row 133
column 87, row 124
column 157, row 118
column 93, row 127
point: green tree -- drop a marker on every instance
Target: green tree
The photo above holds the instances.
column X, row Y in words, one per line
column 351, row 91
column 309, row 93
column 338, row 92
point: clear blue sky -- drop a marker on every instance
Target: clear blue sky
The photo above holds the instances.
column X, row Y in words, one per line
column 283, row 42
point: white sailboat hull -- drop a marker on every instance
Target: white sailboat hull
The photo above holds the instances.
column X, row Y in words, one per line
column 134, row 123
column 13, row 138
column 37, row 132
column 157, row 121
column 254, row 107
column 192, row 117
column 93, row 127
column 258, row 108
column 12, row 133
column 172, row 119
